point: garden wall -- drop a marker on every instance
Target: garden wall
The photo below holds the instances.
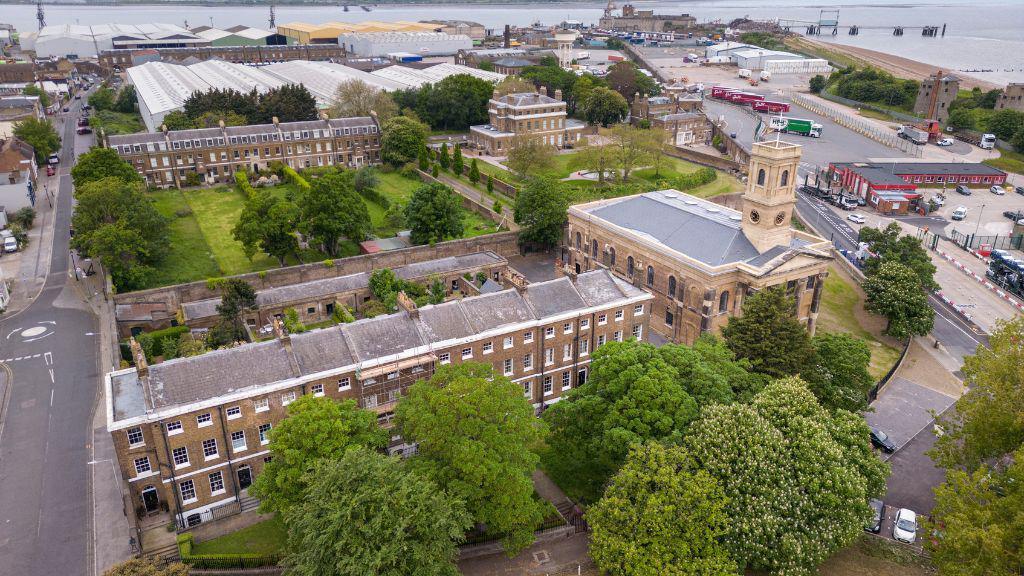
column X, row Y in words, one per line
column 704, row 159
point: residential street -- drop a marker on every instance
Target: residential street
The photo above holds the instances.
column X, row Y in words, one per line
column 50, row 350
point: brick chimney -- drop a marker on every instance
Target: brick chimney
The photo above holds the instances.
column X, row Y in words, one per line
column 516, row 280
column 558, row 94
column 141, row 366
column 406, row 303
column 281, row 334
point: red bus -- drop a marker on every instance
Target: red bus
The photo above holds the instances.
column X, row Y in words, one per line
column 769, row 106
column 745, row 97
column 721, row 92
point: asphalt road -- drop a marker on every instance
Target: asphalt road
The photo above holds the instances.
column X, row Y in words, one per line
column 51, row 350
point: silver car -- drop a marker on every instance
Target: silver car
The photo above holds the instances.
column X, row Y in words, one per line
column 904, row 528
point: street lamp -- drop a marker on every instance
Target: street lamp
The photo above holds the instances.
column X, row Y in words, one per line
column 980, row 212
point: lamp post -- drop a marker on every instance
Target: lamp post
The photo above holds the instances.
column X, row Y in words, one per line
column 978, row 226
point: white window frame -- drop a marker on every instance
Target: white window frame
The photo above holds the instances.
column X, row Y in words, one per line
column 584, row 347
column 638, row 310
column 567, row 352
column 601, row 339
column 566, row 380
column 584, row 323
column 237, row 412
column 487, row 347
column 444, row 358
column 528, row 337
column 618, row 315
column 174, row 457
column 549, row 356
column 318, row 390
column 191, row 489
column 132, row 432
column 219, row 478
column 204, row 420
column 602, row 319
column 175, row 428
column 507, row 343
column 287, row 398
column 528, row 362
column 344, row 384
column 549, row 332
column 528, row 388
column 638, row 331
column 567, row 328
column 264, row 432
column 617, row 336
column 260, row 405
column 508, row 366
column 143, row 466
column 234, row 445
column 467, row 353
column 216, row 450
column 548, row 387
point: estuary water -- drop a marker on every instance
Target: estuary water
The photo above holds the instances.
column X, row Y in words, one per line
column 984, row 36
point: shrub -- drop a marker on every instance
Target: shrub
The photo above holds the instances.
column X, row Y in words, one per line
column 192, row 179
column 329, row 263
column 433, row 171
column 343, row 315
column 481, row 278
column 292, row 177
column 374, row 308
column 242, row 181
column 490, row 184
column 496, row 207
column 183, row 212
column 24, row 217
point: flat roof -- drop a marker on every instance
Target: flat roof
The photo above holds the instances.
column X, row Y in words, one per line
column 925, row 168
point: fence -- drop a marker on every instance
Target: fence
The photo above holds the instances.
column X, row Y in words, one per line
column 859, row 125
column 908, row 118
column 973, row 241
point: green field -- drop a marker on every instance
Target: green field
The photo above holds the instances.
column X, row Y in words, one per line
column 1008, row 161
column 267, row 537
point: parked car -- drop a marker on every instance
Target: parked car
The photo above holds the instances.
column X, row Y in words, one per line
column 997, row 190
column 904, row 529
column 10, row 244
column 961, row 189
column 877, row 513
column 53, row 159
column 882, row 441
column 945, row 142
column 856, row 218
column 84, row 130
column 939, row 200
column 66, row 109
column 847, row 203
column 78, row 96
column 1013, row 214
column 86, row 107
column 960, row 213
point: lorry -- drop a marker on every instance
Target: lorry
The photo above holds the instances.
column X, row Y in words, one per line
column 769, row 106
column 721, row 92
column 795, row 126
column 765, row 76
column 913, row 134
column 987, row 142
column 744, row 73
column 745, row 98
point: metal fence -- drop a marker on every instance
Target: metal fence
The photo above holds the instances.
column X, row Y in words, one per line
column 909, row 118
column 974, row 241
column 859, row 125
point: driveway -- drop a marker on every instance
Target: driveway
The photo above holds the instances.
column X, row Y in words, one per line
column 904, row 408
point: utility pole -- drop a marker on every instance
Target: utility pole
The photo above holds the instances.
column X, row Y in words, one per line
column 40, row 15
column 272, row 22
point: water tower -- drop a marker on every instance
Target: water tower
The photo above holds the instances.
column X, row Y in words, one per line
column 565, row 39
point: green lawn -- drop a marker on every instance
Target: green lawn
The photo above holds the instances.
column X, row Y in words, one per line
column 267, row 537
column 842, row 310
column 475, row 225
column 396, row 187
column 1008, row 161
column 117, row 122
column 190, row 257
column 217, row 210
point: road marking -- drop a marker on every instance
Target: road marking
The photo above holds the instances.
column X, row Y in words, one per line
column 51, row 396
column 51, row 376
column 49, row 358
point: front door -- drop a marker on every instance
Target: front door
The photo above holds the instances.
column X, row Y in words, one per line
column 244, row 477
column 150, row 500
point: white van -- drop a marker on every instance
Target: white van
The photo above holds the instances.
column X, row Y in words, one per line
column 960, row 213
column 744, row 73
column 10, row 244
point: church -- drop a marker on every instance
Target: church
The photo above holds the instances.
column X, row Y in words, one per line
column 700, row 259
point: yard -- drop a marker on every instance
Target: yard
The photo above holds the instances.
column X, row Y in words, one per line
column 842, row 310
column 267, row 537
column 116, row 122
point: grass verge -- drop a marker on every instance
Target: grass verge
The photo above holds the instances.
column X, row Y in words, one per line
column 1008, row 160
column 267, row 537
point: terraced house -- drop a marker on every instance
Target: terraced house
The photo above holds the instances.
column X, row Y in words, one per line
column 191, row 433
column 166, row 158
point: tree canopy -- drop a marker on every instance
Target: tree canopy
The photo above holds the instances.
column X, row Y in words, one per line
column 895, row 292
column 768, row 334
column 316, row 429
column 40, row 135
column 366, row 513
column 604, row 106
column 402, row 140
column 267, row 223
column 889, row 245
column 34, row 90
column 660, row 516
column 357, row 98
column 434, row 214
column 236, row 296
column 530, row 156
column 332, row 209
column 455, row 103
column 288, row 103
column 99, row 163
column 475, row 431
column 541, row 209
column 146, row 567
column 840, row 377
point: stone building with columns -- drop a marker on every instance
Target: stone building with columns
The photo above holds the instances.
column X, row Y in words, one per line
column 700, row 259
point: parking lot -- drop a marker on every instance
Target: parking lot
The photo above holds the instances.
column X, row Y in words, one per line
column 984, row 211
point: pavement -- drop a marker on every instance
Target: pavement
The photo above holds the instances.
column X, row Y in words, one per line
column 50, row 350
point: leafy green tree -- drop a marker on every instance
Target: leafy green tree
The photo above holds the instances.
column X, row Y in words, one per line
column 769, row 335
column 100, row 163
column 316, row 429
column 126, row 100
column 267, row 223
column 605, row 107
column 443, row 158
column 660, row 515
column 632, row 147
column 632, row 395
column 474, row 172
column 115, row 222
column 33, row 90
column 840, row 377
column 332, row 210
column 455, row 103
column 434, row 214
column 474, row 431
column 402, row 140
column 40, row 135
column 1018, row 141
column 895, row 292
column 178, row 120
column 355, row 97
column 223, row 101
column 457, row 165
column 1005, row 123
column 146, row 567
column 383, row 282
column 433, row 171
column 288, row 103
column 102, row 99
column 613, row 43
column 424, row 159
column 236, row 297
column 437, row 290
column 961, row 118
column 889, row 245
column 797, row 479
column 490, row 184
column 540, row 209
column 529, row 156
column 213, row 118
column 817, row 84
column 598, row 158
column 367, row 513
column 626, row 79
column 24, row 217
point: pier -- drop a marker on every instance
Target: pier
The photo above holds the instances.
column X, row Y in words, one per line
column 828, row 22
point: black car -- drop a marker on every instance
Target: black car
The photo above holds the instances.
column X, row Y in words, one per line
column 882, row 441
column 1019, row 190
column 877, row 513
column 961, row 189
column 1013, row 214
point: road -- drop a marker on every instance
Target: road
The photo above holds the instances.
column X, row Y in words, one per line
column 50, row 352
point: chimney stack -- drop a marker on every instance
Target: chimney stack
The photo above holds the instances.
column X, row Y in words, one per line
column 516, row 280
column 281, row 334
column 558, row 94
column 406, row 303
column 141, row 366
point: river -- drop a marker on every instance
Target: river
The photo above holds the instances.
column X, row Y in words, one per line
column 981, row 34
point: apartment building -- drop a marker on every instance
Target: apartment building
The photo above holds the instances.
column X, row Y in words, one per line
column 191, row 434
column 534, row 115
column 166, row 158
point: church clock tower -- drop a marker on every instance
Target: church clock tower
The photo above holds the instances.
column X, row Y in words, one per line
column 770, row 198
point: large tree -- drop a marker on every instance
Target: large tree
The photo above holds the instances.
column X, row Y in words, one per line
column 223, row 101
column 475, row 431
column 331, row 210
column 768, row 334
column 402, row 139
column 632, row 395
column 40, row 135
column 660, row 516
column 316, row 429
column 236, row 296
column 357, row 98
column 33, row 90
column 267, row 223
column 604, row 106
column 540, row 209
column 894, row 291
column 599, row 158
column 514, row 85
column 889, row 245
column 626, row 79
column 126, row 100
column 434, row 214
column 530, row 156
column 367, row 513
column 840, row 377
column 99, row 163
column 288, row 103
column 797, row 478
column 632, row 148
column 1005, row 123
column 455, row 103
column 102, row 98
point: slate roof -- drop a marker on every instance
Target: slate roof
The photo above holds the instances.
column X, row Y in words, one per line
column 383, row 336
column 700, row 229
column 321, row 350
column 526, row 99
column 554, row 297
column 898, row 169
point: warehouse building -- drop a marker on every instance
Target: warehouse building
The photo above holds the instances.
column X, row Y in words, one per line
column 327, row 33
column 416, row 77
column 322, row 78
column 474, row 30
column 241, row 36
column 422, row 43
column 74, row 40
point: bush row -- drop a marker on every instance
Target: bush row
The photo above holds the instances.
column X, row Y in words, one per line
column 242, row 181
column 152, row 343
column 222, row 561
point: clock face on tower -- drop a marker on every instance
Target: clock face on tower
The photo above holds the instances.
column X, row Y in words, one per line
column 780, row 218
column 754, row 216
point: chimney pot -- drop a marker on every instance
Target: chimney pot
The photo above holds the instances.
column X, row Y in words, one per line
column 141, row 366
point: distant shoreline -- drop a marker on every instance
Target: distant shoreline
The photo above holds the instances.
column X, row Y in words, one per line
column 353, row 5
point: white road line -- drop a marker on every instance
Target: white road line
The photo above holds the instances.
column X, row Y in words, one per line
column 49, row 358
column 51, row 376
column 51, row 396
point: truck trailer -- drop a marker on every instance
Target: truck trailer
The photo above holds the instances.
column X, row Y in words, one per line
column 795, row 126
column 913, row 134
column 769, row 106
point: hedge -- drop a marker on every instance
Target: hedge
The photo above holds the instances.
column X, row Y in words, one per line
column 222, row 561
column 242, row 181
column 293, row 177
column 152, row 343
column 373, row 195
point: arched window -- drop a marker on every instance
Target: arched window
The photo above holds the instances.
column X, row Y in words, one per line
column 785, row 178
column 671, row 286
column 723, row 302
column 629, row 266
column 611, row 256
column 579, row 240
column 650, row 275
column 593, row 248
column 760, row 177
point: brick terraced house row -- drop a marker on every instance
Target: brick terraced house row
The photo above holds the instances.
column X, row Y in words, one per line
column 191, row 433
column 166, row 158
column 701, row 259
